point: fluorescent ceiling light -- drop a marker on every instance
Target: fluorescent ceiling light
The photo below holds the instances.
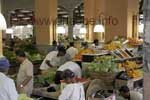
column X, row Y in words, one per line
column 99, row 28
column 60, row 30
column 9, row 31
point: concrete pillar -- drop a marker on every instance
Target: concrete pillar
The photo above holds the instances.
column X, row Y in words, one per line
column 70, row 25
column 89, row 16
column 45, row 22
column 146, row 56
column 117, row 16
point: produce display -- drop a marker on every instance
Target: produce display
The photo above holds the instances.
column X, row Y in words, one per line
column 135, row 73
column 134, row 41
column 131, row 68
column 112, row 46
column 128, row 65
column 44, row 80
column 104, row 64
column 10, row 55
column 83, row 51
column 34, row 57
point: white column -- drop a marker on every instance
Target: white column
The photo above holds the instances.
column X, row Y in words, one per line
column 146, row 47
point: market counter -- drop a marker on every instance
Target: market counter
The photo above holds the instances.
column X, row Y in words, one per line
column 43, row 93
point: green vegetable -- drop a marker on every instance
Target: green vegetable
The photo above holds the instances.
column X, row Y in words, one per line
column 40, row 80
column 24, row 97
column 103, row 64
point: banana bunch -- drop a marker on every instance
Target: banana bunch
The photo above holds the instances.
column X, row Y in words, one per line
column 130, row 67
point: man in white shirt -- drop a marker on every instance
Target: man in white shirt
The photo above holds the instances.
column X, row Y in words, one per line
column 49, row 57
column 95, row 45
column 74, row 67
column 130, row 95
column 56, row 58
column 73, row 90
column 7, row 86
column 72, row 51
column 25, row 75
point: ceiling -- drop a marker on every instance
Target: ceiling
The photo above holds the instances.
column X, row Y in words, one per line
column 64, row 7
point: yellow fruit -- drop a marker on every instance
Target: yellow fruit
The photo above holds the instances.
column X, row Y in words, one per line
column 83, row 51
column 128, row 65
column 134, row 41
column 134, row 73
column 112, row 46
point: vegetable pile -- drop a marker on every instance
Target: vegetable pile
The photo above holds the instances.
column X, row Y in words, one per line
column 44, row 80
column 103, row 64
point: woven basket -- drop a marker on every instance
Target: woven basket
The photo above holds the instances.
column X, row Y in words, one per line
column 107, row 78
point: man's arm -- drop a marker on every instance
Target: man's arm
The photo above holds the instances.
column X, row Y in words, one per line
column 48, row 63
column 24, row 83
column 27, row 80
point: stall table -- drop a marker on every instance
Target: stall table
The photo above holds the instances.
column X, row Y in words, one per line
column 43, row 93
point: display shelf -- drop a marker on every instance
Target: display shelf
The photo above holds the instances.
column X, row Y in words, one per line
column 43, row 93
column 131, row 58
column 90, row 57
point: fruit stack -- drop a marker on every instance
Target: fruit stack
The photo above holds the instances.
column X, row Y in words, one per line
column 131, row 67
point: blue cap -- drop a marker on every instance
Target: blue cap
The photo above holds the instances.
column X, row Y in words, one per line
column 4, row 63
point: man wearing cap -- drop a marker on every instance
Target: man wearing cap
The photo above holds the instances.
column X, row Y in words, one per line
column 73, row 90
column 74, row 67
column 7, row 85
column 25, row 75
column 55, row 58
column 72, row 50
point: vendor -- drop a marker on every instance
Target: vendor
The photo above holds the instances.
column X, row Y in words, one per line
column 53, row 47
column 72, row 51
column 74, row 67
column 48, row 57
column 130, row 95
column 25, row 75
column 60, row 59
column 84, row 50
column 7, row 86
column 96, row 45
column 73, row 90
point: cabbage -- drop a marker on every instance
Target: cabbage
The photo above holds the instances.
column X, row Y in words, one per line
column 103, row 64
